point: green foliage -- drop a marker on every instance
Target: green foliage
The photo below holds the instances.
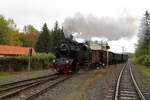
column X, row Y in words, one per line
column 43, row 43
column 4, row 31
column 144, row 60
column 30, row 36
column 141, row 50
column 141, row 59
column 57, row 36
column 144, row 69
column 9, row 35
column 14, row 33
column 143, row 47
column 38, row 61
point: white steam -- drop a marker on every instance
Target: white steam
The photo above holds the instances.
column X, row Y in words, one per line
column 108, row 27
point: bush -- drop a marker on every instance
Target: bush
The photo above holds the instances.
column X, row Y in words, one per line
column 18, row 63
column 144, row 60
column 141, row 59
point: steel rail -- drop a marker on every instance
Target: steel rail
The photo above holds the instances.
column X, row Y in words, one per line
column 25, row 84
column 38, row 93
column 25, row 88
column 118, row 83
column 136, row 86
column 27, row 80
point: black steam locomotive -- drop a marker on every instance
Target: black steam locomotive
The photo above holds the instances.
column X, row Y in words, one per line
column 71, row 55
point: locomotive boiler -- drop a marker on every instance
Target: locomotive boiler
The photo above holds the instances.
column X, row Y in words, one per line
column 70, row 55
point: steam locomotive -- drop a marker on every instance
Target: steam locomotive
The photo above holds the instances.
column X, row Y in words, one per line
column 71, row 55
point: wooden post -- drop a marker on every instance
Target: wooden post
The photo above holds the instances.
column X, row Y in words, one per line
column 107, row 58
column 29, row 64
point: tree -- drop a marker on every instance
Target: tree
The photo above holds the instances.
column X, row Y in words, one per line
column 31, row 36
column 14, row 33
column 57, row 35
column 43, row 43
column 144, row 36
column 23, row 39
column 4, row 31
column 9, row 34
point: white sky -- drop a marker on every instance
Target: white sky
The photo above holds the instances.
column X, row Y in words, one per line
column 36, row 12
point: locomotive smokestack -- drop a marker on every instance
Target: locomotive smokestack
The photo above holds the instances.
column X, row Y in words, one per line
column 91, row 26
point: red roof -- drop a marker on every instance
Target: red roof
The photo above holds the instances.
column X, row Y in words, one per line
column 14, row 50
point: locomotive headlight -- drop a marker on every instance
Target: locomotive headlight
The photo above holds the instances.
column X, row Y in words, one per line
column 54, row 61
column 67, row 61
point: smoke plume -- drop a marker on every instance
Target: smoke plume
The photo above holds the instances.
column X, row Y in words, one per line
column 108, row 27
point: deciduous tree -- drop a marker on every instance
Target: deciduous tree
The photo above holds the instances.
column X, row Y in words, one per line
column 31, row 36
column 4, row 31
column 14, row 33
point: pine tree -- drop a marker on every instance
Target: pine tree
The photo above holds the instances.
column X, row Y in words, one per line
column 147, row 32
column 43, row 43
column 57, row 36
column 144, row 36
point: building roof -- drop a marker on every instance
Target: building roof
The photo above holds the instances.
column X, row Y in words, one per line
column 14, row 50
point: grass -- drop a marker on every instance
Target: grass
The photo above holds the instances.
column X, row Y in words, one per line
column 4, row 75
column 144, row 69
column 24, row 75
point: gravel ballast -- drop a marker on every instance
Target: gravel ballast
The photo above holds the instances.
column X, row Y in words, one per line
column 92, row 85
column 25, row 75
column 87, row 85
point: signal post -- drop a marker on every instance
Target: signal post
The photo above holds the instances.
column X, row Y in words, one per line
column 29, row 63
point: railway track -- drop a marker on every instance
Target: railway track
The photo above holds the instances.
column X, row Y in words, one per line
column 22, row 81
column 125, row 87
column 15, row 89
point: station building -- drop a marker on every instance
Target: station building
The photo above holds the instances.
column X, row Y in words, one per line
column 6, row 50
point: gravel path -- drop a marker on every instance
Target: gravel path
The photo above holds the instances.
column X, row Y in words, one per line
column 24, row 76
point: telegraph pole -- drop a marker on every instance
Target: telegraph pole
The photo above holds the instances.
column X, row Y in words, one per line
column 107, row 47
column 29, row 63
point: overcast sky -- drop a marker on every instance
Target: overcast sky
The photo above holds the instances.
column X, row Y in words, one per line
column 36, row 12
